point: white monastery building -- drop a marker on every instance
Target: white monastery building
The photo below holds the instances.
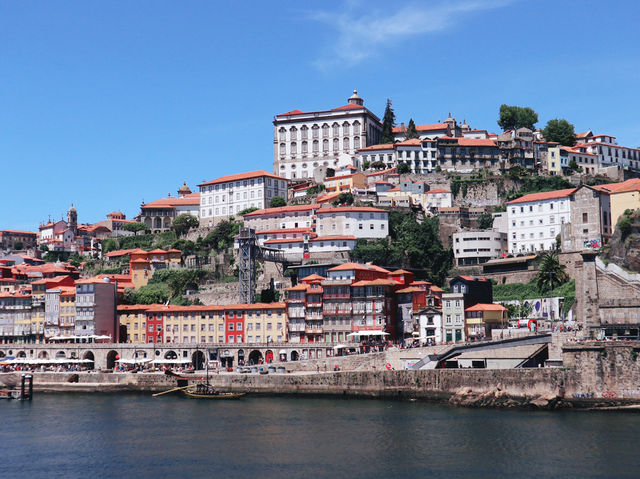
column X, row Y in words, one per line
column 227, row 195
column 303, row 142
column 535, row 220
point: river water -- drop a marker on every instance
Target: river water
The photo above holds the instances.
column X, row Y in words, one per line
column 121, row 436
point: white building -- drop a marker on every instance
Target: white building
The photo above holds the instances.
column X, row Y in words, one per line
column 609, row 152
column 477, row 247
column 361, row 222
column 284, row 217
column 228, row 195
column 303, row 142
column 535, row 220
column 453, row 317
column 420, row 155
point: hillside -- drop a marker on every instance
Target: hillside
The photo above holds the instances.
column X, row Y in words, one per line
column 624, row 247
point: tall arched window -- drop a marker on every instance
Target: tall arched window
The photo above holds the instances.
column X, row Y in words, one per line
column 345, row 144
column 315, row 131
column 304, row 147
column 315, row 147
column 345, row 128
column 336, row 129
column 325, row 131
column 293, row 133
column 304, row 131
column 336, row 144
column 325, row 146
column 294, row 148
column 356, row 127
column 356, row 142
column 283, row 149
column 282, row 134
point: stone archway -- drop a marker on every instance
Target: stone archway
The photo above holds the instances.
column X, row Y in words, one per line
column 255, row 357
column 88, row 355
column 268, row 356
column 171, row 355
column 295, row 355
column 197, row 359
column 2, row 355
column 61, row 355
column 43, row 355
column 112, row 356
column 21, row 354
column 240, row 356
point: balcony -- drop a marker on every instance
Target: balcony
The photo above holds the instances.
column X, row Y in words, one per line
column 313, row 330
column 314, row 305
column 337, row 296
column 337, row 311
column 313, row 317
column 296, row 327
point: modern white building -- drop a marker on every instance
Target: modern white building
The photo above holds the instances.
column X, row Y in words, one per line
column 420, row 155
column 303, row 141
column 284, row 217
column 361, row 222
column 228, row 195
column 477, row 247
column 535, row 220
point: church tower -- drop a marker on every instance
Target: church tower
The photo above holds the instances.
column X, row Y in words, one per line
column 72, row 219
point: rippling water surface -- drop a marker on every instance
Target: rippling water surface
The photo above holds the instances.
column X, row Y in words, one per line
column 139, row 436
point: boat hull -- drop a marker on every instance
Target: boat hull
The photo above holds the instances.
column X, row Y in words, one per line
column 195, row 395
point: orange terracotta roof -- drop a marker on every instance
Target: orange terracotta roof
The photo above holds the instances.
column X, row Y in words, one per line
column 350, row 209
column 188, row 200
column 435, row 126
column 350, row 266
column 470, row 141
column 242, row 176
column 385, row 146
column 375, row 282
column 292, row 112
column 157, row 251
column 139, row 261
column 473, row 278
column 327, row 197
column 284, row 240
column 486, row 307
column 31, row 233
column 388, row 171
column 283, row 230
column 423, row 283
column 282, row 209
column 632, row 184
column 411, row 289
column 298, row 287
column 173, row 250
column 380, row 269
column 410, row 142
column 549, row 195
column 119, row 252
column 436, row 289
column 399, row 271
column 437, row 190
column 313, row 277
column 350, row 106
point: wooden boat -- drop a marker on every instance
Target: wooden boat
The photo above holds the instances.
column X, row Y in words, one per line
column 206, row 391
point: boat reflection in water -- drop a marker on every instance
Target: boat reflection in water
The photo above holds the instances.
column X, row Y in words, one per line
column 207, row 391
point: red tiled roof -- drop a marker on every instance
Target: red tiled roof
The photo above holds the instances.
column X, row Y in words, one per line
column 117, row 253
column 375, row 282
column 437, row 190
column 410, row 142
column 435, row 126
column 157, row 251
column 486, row 307
column 284, row 240
column 192, row 199
column 549, row 195
column 420, row 283
column 470, row 141
column 632, row 184
column 399, row 271
column 350, row 266
column 292, row 112
column 382, row 172
column 282, row 209
column 283, row 230
column 350, row 106
column 473, row 278
column 411, row 289
column 350, row 209
column 436, row 289
column 242, row 176
column 313, row 277
column 386, row 146
column 31, row 233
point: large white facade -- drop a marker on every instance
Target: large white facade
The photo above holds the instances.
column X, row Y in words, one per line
column 231, row 194
column 477, row 247
column 303, row 142
column 535, row 220
column 361, row 222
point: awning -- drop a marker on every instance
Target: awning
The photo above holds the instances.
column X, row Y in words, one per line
column 133, row 361
column 357, row 334
column 171, row 361
column 341, row 346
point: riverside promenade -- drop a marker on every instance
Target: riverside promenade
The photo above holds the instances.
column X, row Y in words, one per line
column 595, row 374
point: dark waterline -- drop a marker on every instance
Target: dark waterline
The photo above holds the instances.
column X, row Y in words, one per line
column 139, row 436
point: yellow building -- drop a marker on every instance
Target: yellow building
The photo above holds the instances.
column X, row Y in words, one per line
column 554, row 158
column 140, row 270
column 67, row 310
column 615, row 199
column 133, row 320
column 345, row 183
column 482, row 318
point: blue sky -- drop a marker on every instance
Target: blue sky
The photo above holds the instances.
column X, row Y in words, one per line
column 103, row 104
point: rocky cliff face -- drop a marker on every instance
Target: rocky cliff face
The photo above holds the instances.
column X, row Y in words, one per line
column 624, row 247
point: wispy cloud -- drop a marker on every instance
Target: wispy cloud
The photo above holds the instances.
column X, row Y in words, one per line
column 360, row 31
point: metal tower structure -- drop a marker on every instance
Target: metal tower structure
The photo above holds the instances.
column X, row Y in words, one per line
column 248, row 253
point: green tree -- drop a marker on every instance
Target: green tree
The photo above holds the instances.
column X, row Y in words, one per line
column 378, row 165
column 44, row 248
column 18, row 245
column 136, row 227
column 561, row 131
column 344, row 198
column 187, row 247
column 184, row 223
column 222, row 235
column 485, row 221
column 403, row 168
column 75, row 260
column 277, row 201
column 388, row 122
column 365, row 165
column 573, row 164
column 247, row 210
column 551, row 273
column 411, row 131
column 315, row 189
column 512, row 117
column 109, row 244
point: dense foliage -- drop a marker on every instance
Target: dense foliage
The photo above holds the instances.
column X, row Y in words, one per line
column 388, row 122
column 277, row 201
column 184, row 223
column 411, row 131
column 135, row 227
column 344, row 198
column 411, row 244
column 403, row 168
column 512, row 117
column 523, row 291
column 561, row 131
column 485, row 221
column 551, row 273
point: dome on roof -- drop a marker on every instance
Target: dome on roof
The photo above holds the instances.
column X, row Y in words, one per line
column 72, row 208
column 184, row 190
column 355, row 99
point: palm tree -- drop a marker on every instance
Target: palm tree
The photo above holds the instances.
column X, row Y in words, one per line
column 551, row 273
